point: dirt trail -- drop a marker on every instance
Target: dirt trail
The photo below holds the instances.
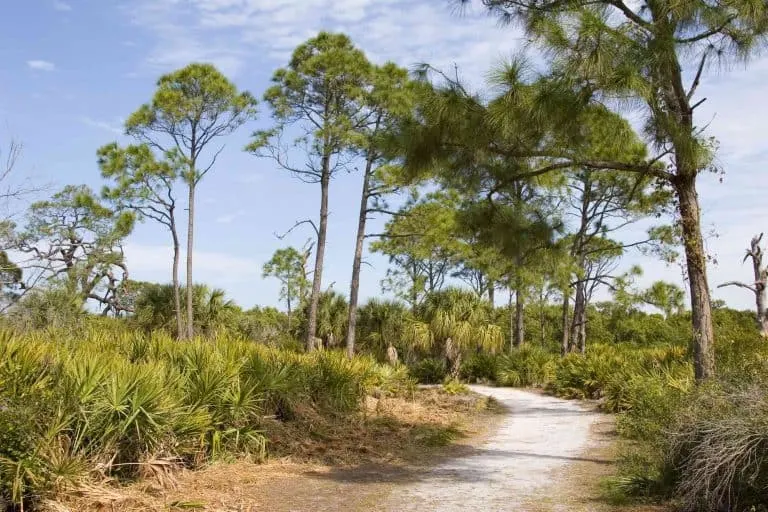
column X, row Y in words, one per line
column 513, row 467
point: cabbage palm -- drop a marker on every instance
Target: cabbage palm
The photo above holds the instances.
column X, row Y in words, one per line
column 454, row 321
column 380, row 325
column 155, row 308
column 331, row 318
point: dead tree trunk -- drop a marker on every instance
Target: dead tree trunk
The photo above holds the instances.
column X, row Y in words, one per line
column 755, row 253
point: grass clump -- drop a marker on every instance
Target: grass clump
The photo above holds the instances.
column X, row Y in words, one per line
column 455, row 387
column 718, row 447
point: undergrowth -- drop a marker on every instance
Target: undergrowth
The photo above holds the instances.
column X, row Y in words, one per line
column 119, row 404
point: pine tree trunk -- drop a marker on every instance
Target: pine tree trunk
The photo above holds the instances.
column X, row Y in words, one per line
column 578, row 324
column 317, row 278
column 519, row 318
column 176, row 287
column 354, row 287
column 414, row 293
column 542, row 318
column 511, row 323
column 290, row 311
column 564, row 323
column 696, row 263
column 190, row 247
column 492, row 293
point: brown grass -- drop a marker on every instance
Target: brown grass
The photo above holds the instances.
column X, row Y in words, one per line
column 316, row 462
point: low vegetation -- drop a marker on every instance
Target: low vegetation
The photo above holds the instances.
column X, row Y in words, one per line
column 110, row 402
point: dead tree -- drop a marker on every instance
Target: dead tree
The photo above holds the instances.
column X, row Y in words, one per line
column 758, row 287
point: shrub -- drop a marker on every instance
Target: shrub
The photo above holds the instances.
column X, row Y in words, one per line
column 525, row 366
column 429, row 371
column 455, row 387
column 648, row 402
column 719, row 449
column 116, row 400
column 479, row 368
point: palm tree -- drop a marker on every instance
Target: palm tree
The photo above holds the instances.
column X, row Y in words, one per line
column 332, row 308
column 380, row 326
column 453, row 322
column 155, row 308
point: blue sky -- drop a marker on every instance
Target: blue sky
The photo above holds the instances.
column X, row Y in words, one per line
column 71, row 71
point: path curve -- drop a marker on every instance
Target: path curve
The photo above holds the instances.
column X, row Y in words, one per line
column 540, row 435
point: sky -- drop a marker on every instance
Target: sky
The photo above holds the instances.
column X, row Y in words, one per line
column 72, row 71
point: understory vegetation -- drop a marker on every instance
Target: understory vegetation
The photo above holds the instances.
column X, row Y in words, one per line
column 108, row 402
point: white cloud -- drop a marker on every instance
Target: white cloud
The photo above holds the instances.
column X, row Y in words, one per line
column 61, row 6
column 102, row 125
column 232, row 33
column 41, row 65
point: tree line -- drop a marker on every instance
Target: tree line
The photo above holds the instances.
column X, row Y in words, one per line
column 526, row 190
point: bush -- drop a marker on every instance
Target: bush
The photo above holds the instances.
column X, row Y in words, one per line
column 526, row 366
column 429, row 371
column 479, row 368
column 608, row 372
column 719, row 450
column 455, row 387
column 117, row 400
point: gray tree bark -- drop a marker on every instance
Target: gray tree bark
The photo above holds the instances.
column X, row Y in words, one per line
column 190, row 247
column 175, row 277
column 760, row 285
column 317, row 278
column 354, row 287
column 564, row 324
column 696, row 264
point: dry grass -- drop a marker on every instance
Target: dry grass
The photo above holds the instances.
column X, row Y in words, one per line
column 316, row 463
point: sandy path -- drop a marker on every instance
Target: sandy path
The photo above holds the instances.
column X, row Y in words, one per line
column 541, row 435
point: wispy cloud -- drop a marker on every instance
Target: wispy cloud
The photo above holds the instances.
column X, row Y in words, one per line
column 41, row 65
column 102, row 125
column 233, row 33
column 61, row 6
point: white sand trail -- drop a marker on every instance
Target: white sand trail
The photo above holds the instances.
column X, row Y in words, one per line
column 540, row 435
